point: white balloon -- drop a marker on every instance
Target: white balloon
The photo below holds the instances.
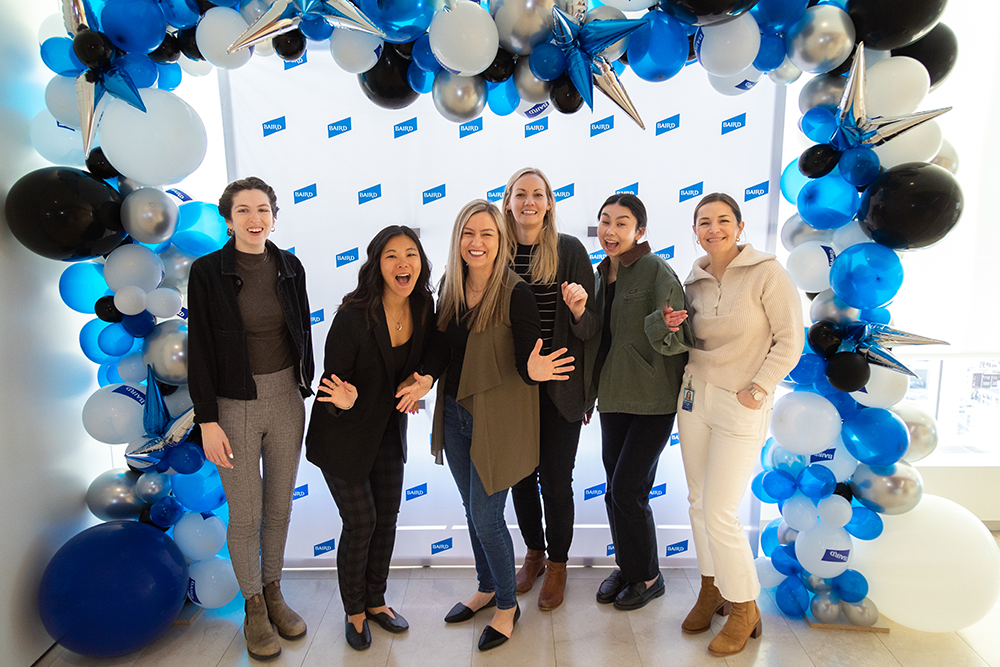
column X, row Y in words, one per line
column 838, row 459
column 884, row 389
column 263, row 49
column 200, row 535
column 873, row 56
column 787, row 72
column 133, row 265
column 736, row 84
column 727, row 48
column 130, row 300
column 465, row 39
column 825, row 551
column 56, row 143
column 354, row 51
column 918, row 144
column 213, row 583
column 216, row 32
column 805, row 423
column 251, row 10
column 113, row 413
column 809, row 265
column 848, row 235
column 947, row 157
column 534, row 110
column 131, row 368
column 52, row 26
column 935, row 568
column 896, row 86
column 835, row 511
column 164, row 302
column 179, row 402
column 766, row 574
column 800, row 513
column 162, row 146
column 60, row 100
column 195, row 67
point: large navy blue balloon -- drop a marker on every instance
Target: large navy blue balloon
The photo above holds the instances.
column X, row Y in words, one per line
column 113, row 589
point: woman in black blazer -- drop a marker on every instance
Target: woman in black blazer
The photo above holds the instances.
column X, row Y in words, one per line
column 357, row 432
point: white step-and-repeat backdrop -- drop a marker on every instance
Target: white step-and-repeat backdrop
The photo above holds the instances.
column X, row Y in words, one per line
column 344, row 168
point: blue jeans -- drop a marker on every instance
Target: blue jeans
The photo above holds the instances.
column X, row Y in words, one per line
column 491, row 542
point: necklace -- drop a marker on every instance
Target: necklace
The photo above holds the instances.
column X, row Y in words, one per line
column 399, row 325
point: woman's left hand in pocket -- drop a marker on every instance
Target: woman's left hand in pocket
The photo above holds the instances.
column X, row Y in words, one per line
column 746, row 399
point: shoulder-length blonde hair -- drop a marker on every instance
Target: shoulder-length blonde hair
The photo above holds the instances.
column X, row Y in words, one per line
column 545, row 259
column 488, row 312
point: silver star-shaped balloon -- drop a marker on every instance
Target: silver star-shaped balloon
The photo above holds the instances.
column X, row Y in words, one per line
column 162, row 432
column 872, row 339
column 285, row 15
column 855, row 127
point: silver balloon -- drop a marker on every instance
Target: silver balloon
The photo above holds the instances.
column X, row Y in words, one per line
column 947, row 157
column 786, row 534
column 127, row 186
column 523, row 24
column 824, row 90
column 112, row 495
column 165, row 349
column 786, row 72
column 151, row 486
column 795, row 232
column 824, row 608
column 603, row 13
column 863, row 614
column 821, row 40
column 923, row 431
column 149, row 215
column 890, row 490
column 816, row 584
column 176, row 268
column 529, row 87
column 458, row 98
column 826, row 306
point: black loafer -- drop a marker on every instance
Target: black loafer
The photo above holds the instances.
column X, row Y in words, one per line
column 460, row 613
column 611, row 587
column 359, row 641
column 387, row 622
column 636, row 596
column 491, row 638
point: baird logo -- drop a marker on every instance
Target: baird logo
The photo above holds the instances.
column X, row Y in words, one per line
column 131, row 392
column 611, row 549
column 629, row 190
column 825, row 455
column 531, row 129
column 836, row 555
column 597, row 256
column 416, row 491
column 668, row 124
column 465, row 129
column 317, row 317
column 347, row 257
column 305, row 194
column 438, row 547
column 595, row 491
column 537, row 110
column 565, row 192
column 434, row 194
column 324, row 547
column 692, row 191
column 666, row 253
column 755, row 191
column 734, row 123
column 602, row 126
column 289, row 64
column 341, row 126
column 658, row 491
column 677, row 548
column 300, row 492
column 370, row 194
column 406, row 127
column 272, row 126
column 497, row 194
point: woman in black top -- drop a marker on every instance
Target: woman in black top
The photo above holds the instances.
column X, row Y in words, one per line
column 357, row 432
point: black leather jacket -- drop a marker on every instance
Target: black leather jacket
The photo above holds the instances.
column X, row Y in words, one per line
column 218, row 358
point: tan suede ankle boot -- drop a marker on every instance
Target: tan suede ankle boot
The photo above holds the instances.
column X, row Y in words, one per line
column 262, row 642
column 534, row 565
column 710, row 602
column 743, row 623
column 553, row 586
column 290, row 625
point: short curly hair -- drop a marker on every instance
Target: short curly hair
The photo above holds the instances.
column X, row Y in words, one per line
column 249, row 183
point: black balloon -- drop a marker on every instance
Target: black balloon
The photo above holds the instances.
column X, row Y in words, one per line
column 169, row 50
column 65, row 213
column 843, row 489
column 818, row 160
column 891, row 24
column 106, row 309
column 166, row 389
column 911, row 205
column 937, row 51
column 405, row 50
column 502, row 67
column 290, row 45
column 848, row 371
column 98, row 165
column 706, row 12
column 692, row 54
column 144, row 517
column 189, row 45
column 825, row 338
column 93, row 49
column 564, row 95
column 385, row 84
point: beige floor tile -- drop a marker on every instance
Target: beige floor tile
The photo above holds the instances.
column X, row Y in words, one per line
column 929, row 649
column 430, row 641
column 60, row 657
column 201, row 644
column 776, row 647
column 531, row 643
column 587, row 633
column 656, row 629
column 984, row 637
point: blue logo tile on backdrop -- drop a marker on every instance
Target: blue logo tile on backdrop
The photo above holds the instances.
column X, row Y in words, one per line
column 565, row 192
column 339, row 127
column 674, row 439
column 417, row 491
column 300, row 492
column 595, row 491
column 465, row 129
column 324, row 547
column 602, row 126
column 657, row 491
column 406, row 127
column 533, row 127
column 433, row 194
column 597, row 256
column 755, row 191
column 443, row 545
column 668, row 124
column 180, row 194
column 347, row 257
column 734, row 123
column 666, row 253
column 289, row 64
column 611, row 549
column 692, row 191
column 272, row 126
column 496, row 194
column 305, row 194
column 629, row 190
column 677, row 548
column 317, row 316
column 370, row 194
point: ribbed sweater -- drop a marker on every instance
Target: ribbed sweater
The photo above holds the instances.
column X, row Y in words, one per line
column 748, row 327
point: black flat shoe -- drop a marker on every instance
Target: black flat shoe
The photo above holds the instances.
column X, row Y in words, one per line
column 460, row 613
column 637, row 596
column 388, row 623
column 611, row 587
column 491, row 637
column 359, row 641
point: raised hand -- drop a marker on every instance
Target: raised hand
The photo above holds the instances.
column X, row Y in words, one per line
column 575, row 297
column 545, row 367
column 411, row 390
column 674, row 318
column 341, row 394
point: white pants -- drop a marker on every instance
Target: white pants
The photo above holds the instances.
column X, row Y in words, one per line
column 720, row 443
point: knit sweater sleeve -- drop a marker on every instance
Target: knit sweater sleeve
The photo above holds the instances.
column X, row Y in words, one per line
column 783, row 309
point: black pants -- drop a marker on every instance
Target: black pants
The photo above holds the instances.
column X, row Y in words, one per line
column 368, row 509
column 631, row 447
column 557, row 456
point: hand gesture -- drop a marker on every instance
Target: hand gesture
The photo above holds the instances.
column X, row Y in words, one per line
column 575, row 297
column 674, row 318
column 342, row 394
column 542, row 368
column 216, row 445
column 411, row 390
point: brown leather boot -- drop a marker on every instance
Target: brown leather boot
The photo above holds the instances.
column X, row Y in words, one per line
column 551, row 595
column 743, row 623
column 290, row 625
column 534, row 565
column 262, row 642
column 710, row 602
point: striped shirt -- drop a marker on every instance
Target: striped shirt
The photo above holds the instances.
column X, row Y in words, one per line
column 546, row 294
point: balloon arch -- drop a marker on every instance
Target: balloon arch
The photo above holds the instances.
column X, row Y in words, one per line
column 878, row 179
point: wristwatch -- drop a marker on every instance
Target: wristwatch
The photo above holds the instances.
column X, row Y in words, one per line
column 757, row 394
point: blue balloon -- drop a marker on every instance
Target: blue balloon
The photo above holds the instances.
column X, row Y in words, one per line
column 139, row 67
column 658, row 50
column 824, row 388
column 817, row 482
column 805, row 387
column 771, row 53
column 181, row 13
column 777, row 15
column 845, row 405
column 818, row 124
column 769, row 537
column 866, row 275
column 200, row 491
column 810, row 369
column 858, row 166
column 784, row 561
column 186, row 458
column 166, row 511
column 865, row 524
column 850, row 586
column 134, row 26
column 786, row 461
column 779, row 484
column 875, row 315
column 619, row 67
column 139, row 326
column 423, row 56
column 168, row 76
column 316, row 29
column 108, row 373
column 503, row 97
column 757, row 487
column 114, row 340
column 113, row 589
column 792, row 597
column 401, row 20
column 81, row 285
column 875, row 436
column 58, row 56
column 547, row 61
column 765, row 455
column 200, row 228
column 792, row 181
column 829, row 202
column 419, row 79
column 88, row 341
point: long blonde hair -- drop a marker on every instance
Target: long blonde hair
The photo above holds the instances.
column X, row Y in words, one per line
column 545, row 258
column 488, row 312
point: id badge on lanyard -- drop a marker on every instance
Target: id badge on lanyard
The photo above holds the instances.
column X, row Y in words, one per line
column 687, row 404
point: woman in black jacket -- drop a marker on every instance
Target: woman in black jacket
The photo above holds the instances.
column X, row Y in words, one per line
column 250, row 366
column 357, row 432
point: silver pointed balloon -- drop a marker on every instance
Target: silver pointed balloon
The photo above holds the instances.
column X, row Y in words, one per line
column 607, row 81
column 852, row 103
column 886, row 129
column 74, row 14
column 879, row 356
column 86, row 104
column 176, row 433
column 285, row 15
column 886, row 335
